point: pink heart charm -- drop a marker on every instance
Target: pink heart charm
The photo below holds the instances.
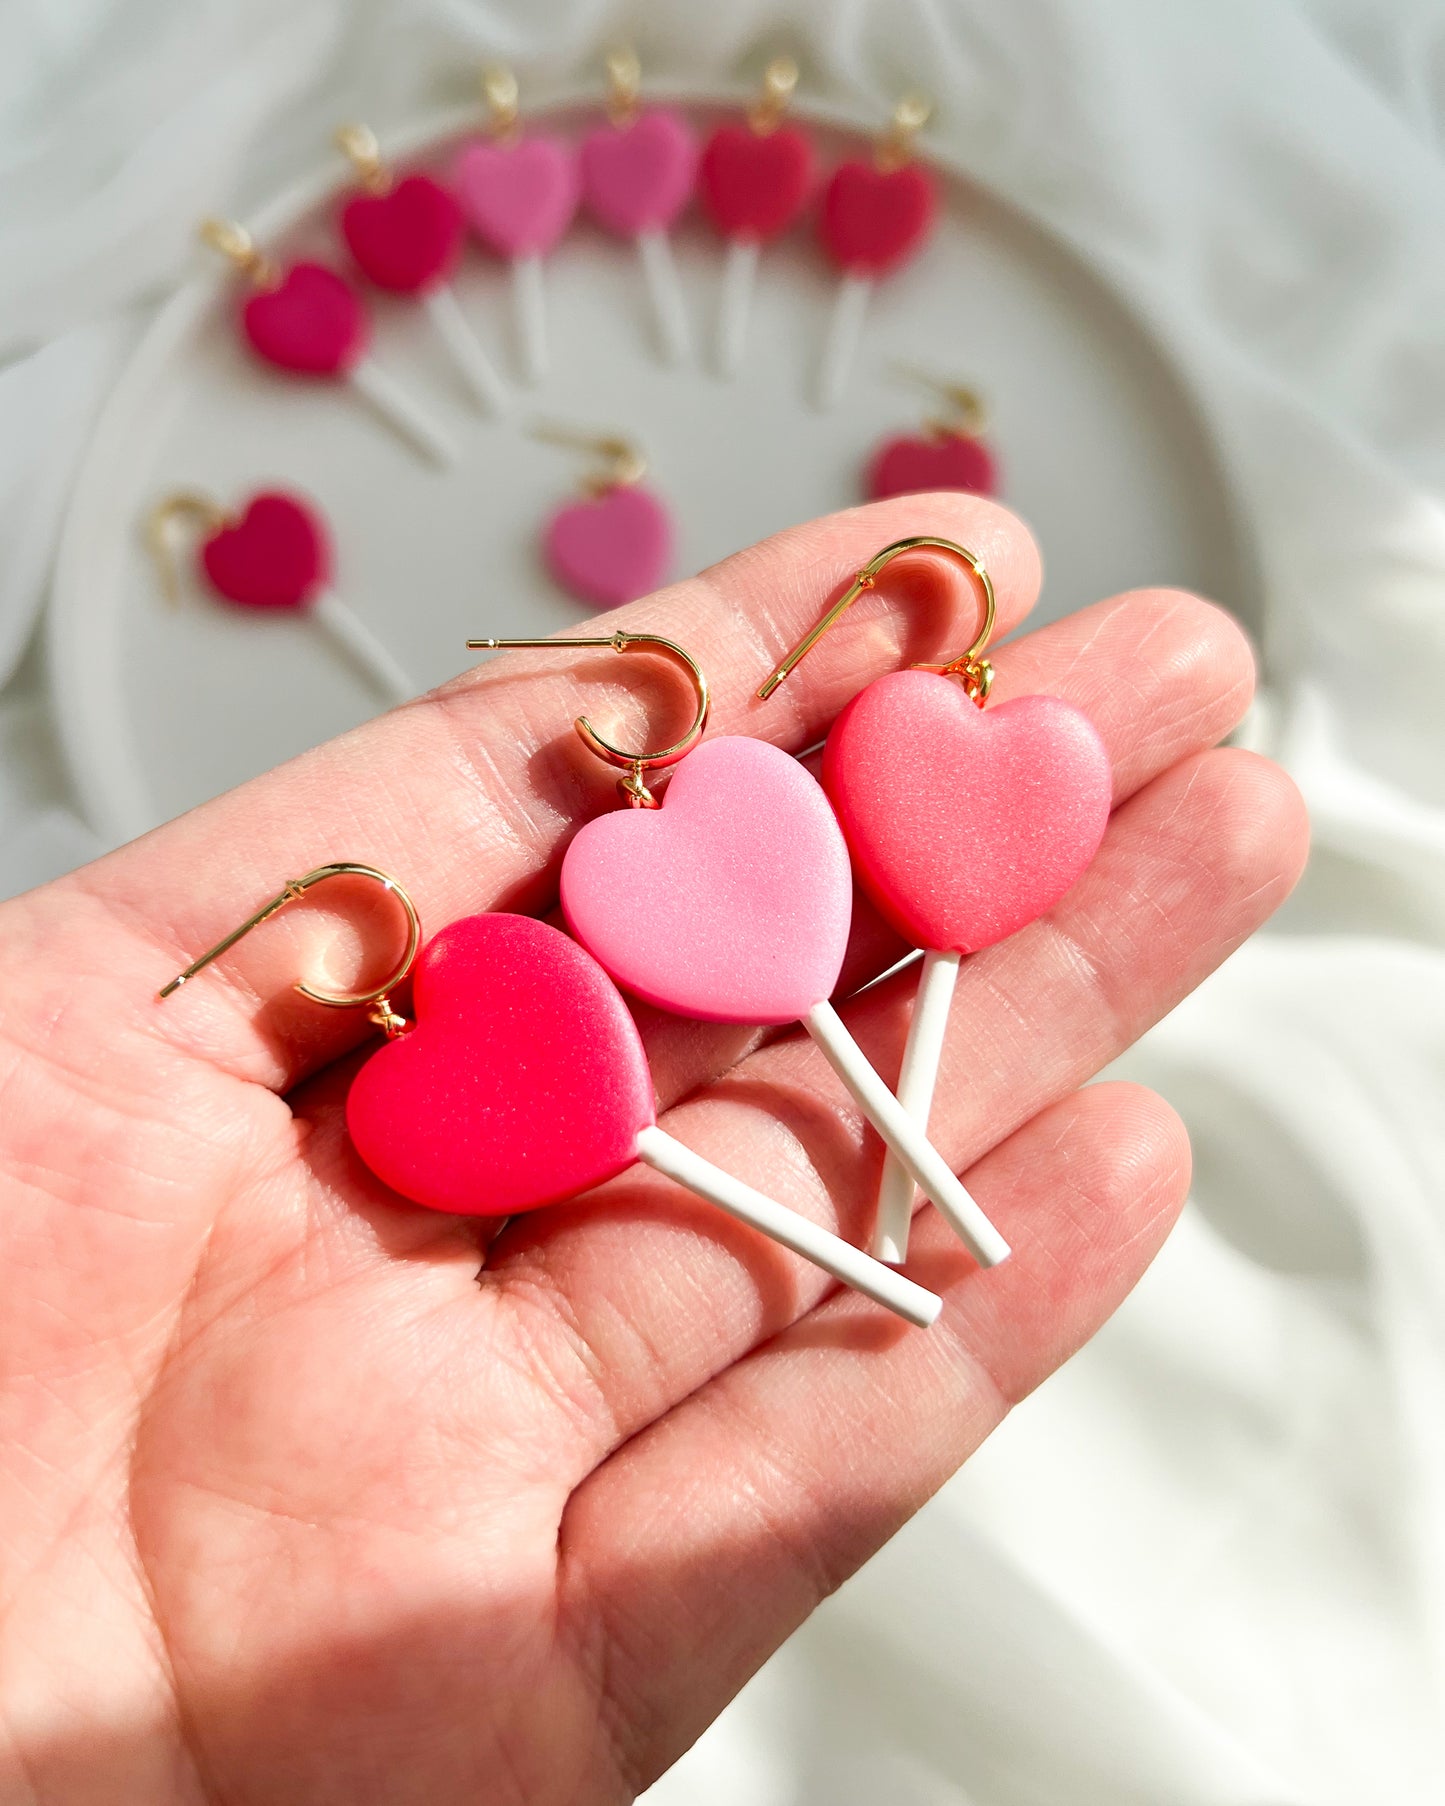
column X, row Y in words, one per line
column 611, row 549
column 277, row 555
column 637, row 178
column 519, row 198
column 311, row 323
column 407, row 239
column 907, row 466
column 731, row 902
column 965, row 823
column 523, row 1081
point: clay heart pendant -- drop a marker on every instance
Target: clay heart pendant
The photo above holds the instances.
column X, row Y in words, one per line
column 755, row 184
column 312, row 322
column 611, row 549
column 277, row 555
column 731, row 902
column 519, row 198
column 407, row 239
column 523, row 1081
column 908, row 466
column 637, row 178
column 874, row 220
column 965, row 824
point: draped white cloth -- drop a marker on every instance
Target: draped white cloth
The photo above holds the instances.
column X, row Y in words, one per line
column 1206, row 1564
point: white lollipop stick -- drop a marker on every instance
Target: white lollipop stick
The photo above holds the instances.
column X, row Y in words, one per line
column 400, row 412
column 362, row 647
column 674, row 336
column 830, row 1252
column 898, row 1129
column 735, row 301
column 840, row 345
column 921, row 1055
column 473, row 365
column 529, row 308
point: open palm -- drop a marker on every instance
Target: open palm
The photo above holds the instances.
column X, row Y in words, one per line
column 310, row 1495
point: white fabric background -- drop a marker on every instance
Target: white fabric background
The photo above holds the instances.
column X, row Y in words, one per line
column 1206, row 1564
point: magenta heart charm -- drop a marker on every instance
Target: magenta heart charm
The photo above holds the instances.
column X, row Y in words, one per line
column 312, row 322
column 519, row 198
column 637, row 178
column 612, row 548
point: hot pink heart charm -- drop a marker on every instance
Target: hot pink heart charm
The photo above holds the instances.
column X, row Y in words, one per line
column 874, row 220
column 755, row 184
column 907, row 466
column 519, row 198
column 611, row 549
column 965, row 823
column 731, row 902
column 407, row 239
column 312, row 322
column 637, row 178
column 277, row 555
column 523, row 1081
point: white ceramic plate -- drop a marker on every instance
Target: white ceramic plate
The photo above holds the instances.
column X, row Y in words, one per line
column 161, row 706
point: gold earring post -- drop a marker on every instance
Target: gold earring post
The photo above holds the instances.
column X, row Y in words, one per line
column 632, row 764
column 624, row 462
column 971, row 668
column 969, row 411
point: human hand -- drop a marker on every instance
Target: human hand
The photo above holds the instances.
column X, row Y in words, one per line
column 294, row 1506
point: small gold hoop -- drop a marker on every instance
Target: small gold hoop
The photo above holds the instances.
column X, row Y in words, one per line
column 633, row 764
column 971, row 668
column 499, row 91
column 780, row 78
column 624, row 84
column 379, row 996
column 358, row 143
column 160, row 532
column 235, row 243
column 894, row 147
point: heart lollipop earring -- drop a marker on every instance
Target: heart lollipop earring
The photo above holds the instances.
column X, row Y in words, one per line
column 617, row 544
column 406, row 236
column 309, row 321
column 875, row 217
column 952, row 454
column 754, row 181
column 523, row 1081
column 274, row 555
column 519, row 193
column 963, row 827
column 731, row 902
column 637, row 173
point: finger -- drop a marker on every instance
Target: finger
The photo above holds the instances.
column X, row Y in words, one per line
column 468, row 794
column 1162, row 675
column 632, row 1299
column 773, row 1483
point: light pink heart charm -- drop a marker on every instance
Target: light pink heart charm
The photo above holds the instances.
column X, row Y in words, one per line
column 731, row 902
column 965, row 824
column 637, row 178
column 519, row 198
column 611, row 549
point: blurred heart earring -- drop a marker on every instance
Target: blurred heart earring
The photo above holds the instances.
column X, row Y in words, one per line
column 951, row 453
column 963, row 828
column 637, row 176
column 730, row 901
column 309, row 321
column 406, row 236
column 522, row 1081
column 617, row 544
column 273, row 556
column 876, row 216
column 519, row 192
column 754, row 181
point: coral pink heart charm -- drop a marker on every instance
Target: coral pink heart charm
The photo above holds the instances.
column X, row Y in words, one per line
column 523, row 1081
column 277, row 555
column 908, row 466
column 965, row 824
column 407, row 239
column 311, row 323
column 874, row 220
column 610, row 549
column 637, row 178
column 731, row 902
column 754, row 184
column 519, row 197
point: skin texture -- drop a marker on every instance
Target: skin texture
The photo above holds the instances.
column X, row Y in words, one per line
column 295, row 1506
